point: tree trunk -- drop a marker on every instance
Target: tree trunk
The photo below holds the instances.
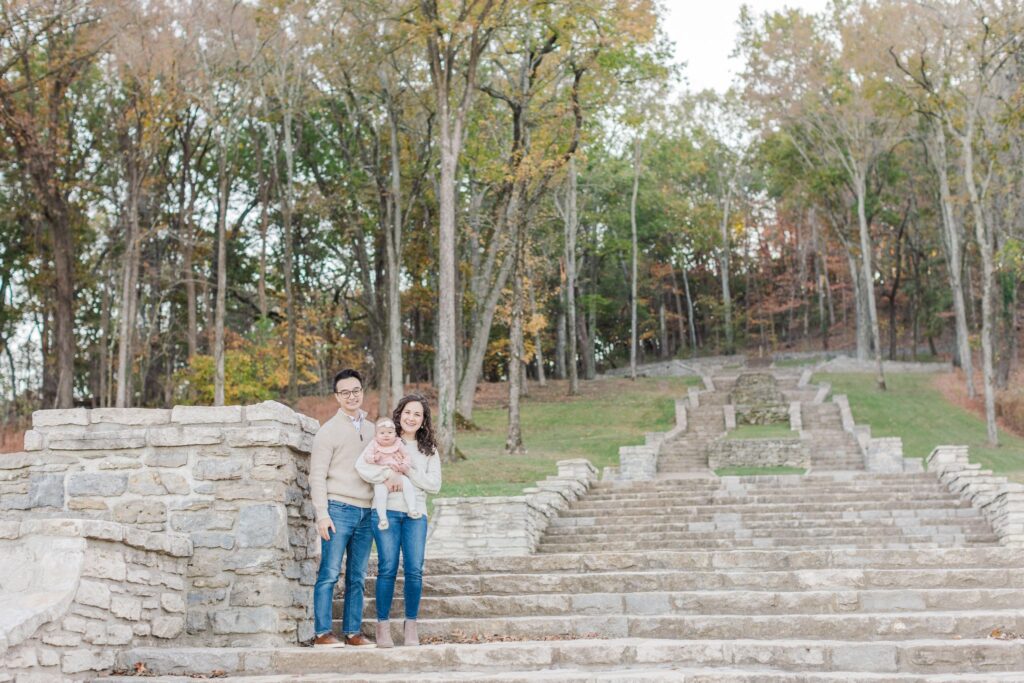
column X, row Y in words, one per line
column 560, row 341
column 869, row 290
column 538, row 350
column 287, row 203
column 393, row 248
column 689, row 311
column 984, row 238
column 662, row 328
column 634, row 276
column 954, row 252
column 680, row 315
column 129, row 287
column 723, row 265
column 223, row 190
column 571, row 230
column 514, row 440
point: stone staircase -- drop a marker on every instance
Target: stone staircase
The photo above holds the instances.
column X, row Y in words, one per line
column 838, row 575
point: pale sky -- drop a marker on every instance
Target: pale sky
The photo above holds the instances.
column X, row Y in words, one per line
column 704, row 32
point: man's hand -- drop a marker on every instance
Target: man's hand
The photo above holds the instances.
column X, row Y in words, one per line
column 324, row 526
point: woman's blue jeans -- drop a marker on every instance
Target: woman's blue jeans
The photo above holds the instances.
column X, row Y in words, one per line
column 407, row 537
column 352, row 535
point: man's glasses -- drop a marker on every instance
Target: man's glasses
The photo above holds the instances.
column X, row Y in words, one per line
column 349, row 393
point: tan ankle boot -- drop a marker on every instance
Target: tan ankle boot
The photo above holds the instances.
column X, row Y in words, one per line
column 384, row 634
column 411, row 636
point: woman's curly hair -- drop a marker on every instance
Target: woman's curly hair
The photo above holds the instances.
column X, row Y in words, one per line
column 425, row 434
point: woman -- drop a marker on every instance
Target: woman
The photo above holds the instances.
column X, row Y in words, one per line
column 405, row 536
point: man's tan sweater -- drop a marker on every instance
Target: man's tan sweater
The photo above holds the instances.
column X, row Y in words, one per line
column 332, row 464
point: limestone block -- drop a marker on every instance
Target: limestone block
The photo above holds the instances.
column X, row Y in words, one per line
column 118, row 634
column 140, row 512
column 206, row 414
column 77, row 661
column 96, row 484
column 58, row 418
column 93, row 594
column 271, row 410
column 172, row 602
column 48, row 657
column 34, row 440
column 168, row 627
column 218, row 469
column 22, row 658
column 146, row 483
column 126, row 607
column 309, row 425
column 165, row 457
column 208, row 539
column 261, row 526
column 175, row 483
column 104, row 564
column 88, row 504
column 46, row 490
column 201, row 521
column 130, row 416
column 62, row 639
column 97, row 441
column 185, row 436
column 249, row 490
column 265, row 435
column 246, row 620
column 263, row 591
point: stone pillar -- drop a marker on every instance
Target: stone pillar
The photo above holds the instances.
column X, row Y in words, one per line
column 232, row 479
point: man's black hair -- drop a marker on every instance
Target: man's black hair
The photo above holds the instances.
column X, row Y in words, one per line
column 345, row 374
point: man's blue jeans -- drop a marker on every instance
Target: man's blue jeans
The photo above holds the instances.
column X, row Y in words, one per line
column 351, row 535
column 408, row 536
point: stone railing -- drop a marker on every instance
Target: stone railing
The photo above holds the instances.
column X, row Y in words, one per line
column 1000, row 500
column 232, row 480
column 506, row 525
column 796, row 417
column 640, row 462
column 74, row 591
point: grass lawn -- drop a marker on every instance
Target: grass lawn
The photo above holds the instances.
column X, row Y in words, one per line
column 772, row 431
column 613, row 413
column 915, row 411
column 755, row 471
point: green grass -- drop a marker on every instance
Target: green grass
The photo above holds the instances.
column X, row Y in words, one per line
column 756, row 471
column 772, row 431
column 915, row 411
column 617, row 413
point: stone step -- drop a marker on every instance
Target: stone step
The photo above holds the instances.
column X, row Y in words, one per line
column 636, row 673
column 761, row 559
column 667, row 507
column 709, row 513
column 611, row 531
column 843, row 542
column 863, row 627
column 707, row 603
column 690, row 580
column 736, row 489
column 918, row 656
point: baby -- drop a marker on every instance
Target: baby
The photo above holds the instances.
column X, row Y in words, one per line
column 386, row 449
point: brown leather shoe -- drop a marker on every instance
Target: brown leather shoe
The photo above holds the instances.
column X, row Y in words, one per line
column 328, row 640
column 358, row 640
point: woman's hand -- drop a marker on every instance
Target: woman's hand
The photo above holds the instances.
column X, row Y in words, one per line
column 394, row 484
column 324, row 527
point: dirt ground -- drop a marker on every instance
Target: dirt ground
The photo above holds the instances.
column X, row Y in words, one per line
column 954, row 389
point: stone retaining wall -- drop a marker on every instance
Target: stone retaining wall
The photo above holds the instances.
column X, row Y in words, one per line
column 506, row 525
column 1000, row 500
column 75, row 591
column 232, row 479
column 758, row 453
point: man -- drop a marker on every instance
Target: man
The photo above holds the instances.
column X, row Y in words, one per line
column 341, row 502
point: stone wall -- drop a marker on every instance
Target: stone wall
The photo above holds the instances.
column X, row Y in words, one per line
column 75, row 591
column 758, row 453
column 1000, row 500
column 506, row 525
column 233, row 480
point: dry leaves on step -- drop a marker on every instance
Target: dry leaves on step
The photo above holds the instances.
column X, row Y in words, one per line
column 459, row 637
column 1000, row 634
